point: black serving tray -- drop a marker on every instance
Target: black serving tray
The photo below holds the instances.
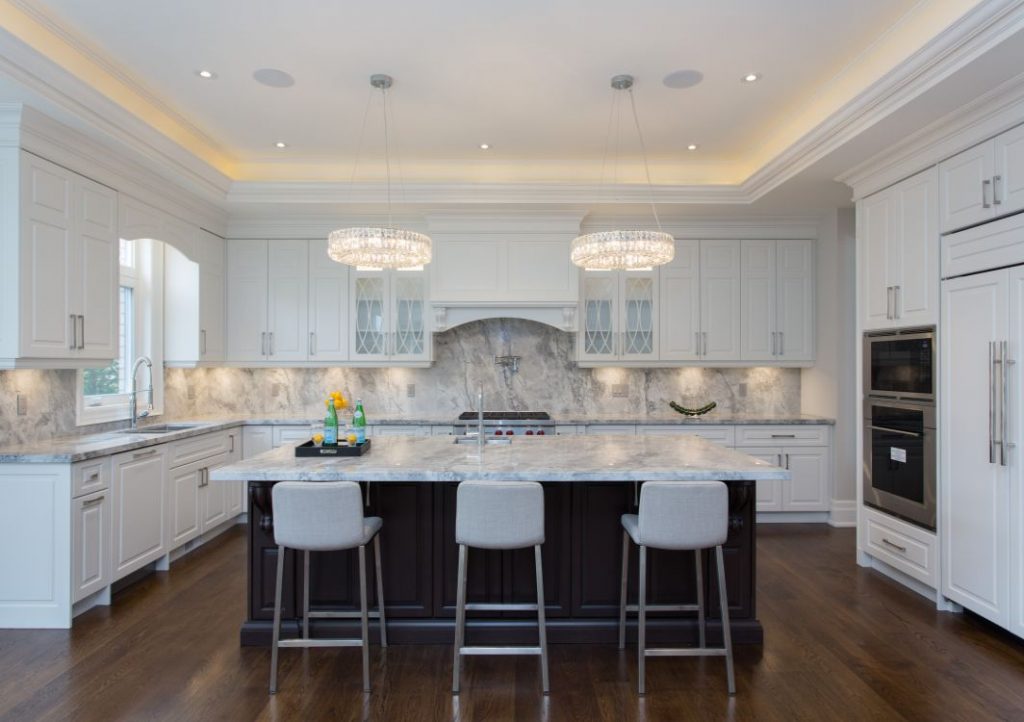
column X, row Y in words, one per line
column 311, row 449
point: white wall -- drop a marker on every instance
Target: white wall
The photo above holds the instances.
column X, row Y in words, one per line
column 829, row 388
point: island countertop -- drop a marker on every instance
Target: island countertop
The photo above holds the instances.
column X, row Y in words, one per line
column 610, row 458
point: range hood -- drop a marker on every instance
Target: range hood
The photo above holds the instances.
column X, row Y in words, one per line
column 452, row 314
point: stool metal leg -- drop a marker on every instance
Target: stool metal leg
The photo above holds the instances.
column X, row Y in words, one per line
column 541, row 624
column 622, row 592
column 365, row 618
column 641, row 631
column 460, row 619
column 723, row 603
column 701, row 617
column 380, row 592
column 305, row 594
column 277, row 619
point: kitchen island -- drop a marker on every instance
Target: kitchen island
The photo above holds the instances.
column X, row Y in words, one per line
column 588, row 483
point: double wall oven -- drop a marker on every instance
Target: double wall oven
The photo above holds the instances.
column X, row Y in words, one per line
column 899, row 424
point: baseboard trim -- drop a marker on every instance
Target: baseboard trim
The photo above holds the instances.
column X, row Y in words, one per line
column 843, row 513
column 792, row 517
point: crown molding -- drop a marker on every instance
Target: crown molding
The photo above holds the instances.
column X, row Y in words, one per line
column 985, row 117
column 711, row 228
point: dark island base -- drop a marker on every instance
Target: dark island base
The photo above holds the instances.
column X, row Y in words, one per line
column 581, row 572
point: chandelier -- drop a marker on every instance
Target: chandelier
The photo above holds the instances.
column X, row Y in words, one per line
column 628, row 249
column 385, row 247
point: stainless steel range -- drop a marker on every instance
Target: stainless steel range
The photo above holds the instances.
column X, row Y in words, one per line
column 507, row 423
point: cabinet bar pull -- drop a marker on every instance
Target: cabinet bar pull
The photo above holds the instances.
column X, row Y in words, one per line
column 782, row 343
column 783, row 436
column 773, row 343
column 93, row 502
column 74, row 331
column 996, row 180
column 94, row 476
column 81, row 334
column 263, row 343
column 986, row 186
column 897, row 547
column 888, row 302
column 696, row 341
column 991, row 402
column 312, row 344
column 271, row 338
column 705, row 335
column 202, row 338
column 143, row 454
column 1004, row 406
column 231, row 449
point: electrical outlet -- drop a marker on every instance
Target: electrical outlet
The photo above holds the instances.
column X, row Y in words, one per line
column 191, row 393
column 410, row 391
column 620, row 391
column 22, row 404
column 743, row 390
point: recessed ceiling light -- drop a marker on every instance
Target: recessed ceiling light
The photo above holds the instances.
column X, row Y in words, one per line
column 485, row 146
column 280, row 144
column 206, row 74
column 691, row 146
column 274, row 78
column 751, row 77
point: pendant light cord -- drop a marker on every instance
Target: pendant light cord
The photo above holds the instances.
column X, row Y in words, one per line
column 387, row 152
column 643, row 152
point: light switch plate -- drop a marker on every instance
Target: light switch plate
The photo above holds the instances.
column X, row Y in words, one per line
column 191, row 393
column 743, row 390
column 22, row 405
column 620, row 391
column 410, row 391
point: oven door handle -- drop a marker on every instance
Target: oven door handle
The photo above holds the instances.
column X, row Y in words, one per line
column 896, row 431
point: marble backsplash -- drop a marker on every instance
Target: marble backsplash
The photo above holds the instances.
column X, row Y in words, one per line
column 548, row 379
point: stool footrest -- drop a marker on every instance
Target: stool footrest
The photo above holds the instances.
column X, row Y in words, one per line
column 685, row 652
column 499, row 650
column 497, row 607
column 320, row 643
column 664, row 608
column 342, row 615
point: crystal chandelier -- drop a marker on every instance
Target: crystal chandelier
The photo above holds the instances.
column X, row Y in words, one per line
column 631, row 249
column 385, row 247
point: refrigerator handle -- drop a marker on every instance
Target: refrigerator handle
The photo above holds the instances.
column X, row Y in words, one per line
column 991, row 402
column 1004, row 415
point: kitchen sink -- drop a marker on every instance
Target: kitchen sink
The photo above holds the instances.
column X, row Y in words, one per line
column 160, row 428
column 491, row 441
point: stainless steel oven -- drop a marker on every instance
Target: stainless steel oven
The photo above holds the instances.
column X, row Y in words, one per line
column 899, row 459
column 900, row 364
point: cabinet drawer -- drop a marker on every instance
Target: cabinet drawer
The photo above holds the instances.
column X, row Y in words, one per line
column 293, row 435
column 91, row 476
column 903, row 546
column 198, row 448
column 794, row 435
column 725, row 435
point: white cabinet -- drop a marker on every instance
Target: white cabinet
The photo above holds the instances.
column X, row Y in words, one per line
column 389, row 317
column 718, row 433
column 899, row 248
column 679, row 286
column 720, row 300
column 328, row 306
column 769, row 491
column 805, row 451
column 60, row 289
column 256, row 440
column 196, row 504
column 194, row 293
column 139, row 533
column 619, row 318
column 247, row 300
column 90, row 544
column 183, row 486
column 983, row 182
column 777, row 317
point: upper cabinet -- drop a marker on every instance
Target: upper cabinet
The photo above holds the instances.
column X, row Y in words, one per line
column 720, row 299
column 328, row 305
column 389, row 316
column 983, row 182
column 777, row 316
column 618, row 316
column 194, row 299
column 58, row 299
column 899, row 247
column 680, row 293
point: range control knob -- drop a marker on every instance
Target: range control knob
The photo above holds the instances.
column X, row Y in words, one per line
column 529, row 432
column 540, row 433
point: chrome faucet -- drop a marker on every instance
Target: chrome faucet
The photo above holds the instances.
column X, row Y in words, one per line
column 133, row 396
column 480, row 418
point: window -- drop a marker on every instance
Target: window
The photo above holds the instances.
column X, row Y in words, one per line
column 110, row 384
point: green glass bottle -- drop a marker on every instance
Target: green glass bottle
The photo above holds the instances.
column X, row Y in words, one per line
column 359, row 422
column 331, row 424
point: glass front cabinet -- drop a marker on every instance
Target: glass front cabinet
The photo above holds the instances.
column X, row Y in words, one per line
column 389, row 316
column 618, row 316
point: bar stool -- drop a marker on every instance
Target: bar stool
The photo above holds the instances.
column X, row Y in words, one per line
column 324, row 516
column 499, row 515
column 680, row 515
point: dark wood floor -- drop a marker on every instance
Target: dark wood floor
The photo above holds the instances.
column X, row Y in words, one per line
column 840, row 643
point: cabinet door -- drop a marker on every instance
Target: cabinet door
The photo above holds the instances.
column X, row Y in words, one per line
column 328, row 305
column 257, row 440
column 876, row 224
column 369, row 316
column 759, row 332
column 213, row 496
column 247, row 300
column 410, row 340
column 139, row 518
column 211, row 298
column 98, row 268
column 808, row 488
column 599, row 318
column 965, row 191
column 1008, row 185
column 720, row 300
column 769, row 491
column 183, row 488
column 1015, row 435
column 288, row 300
column 795, row 300
column 679, row 308
column 974, row 489
column 916, row 299
column 49, row 287
column 90, row 546
column 639, row 315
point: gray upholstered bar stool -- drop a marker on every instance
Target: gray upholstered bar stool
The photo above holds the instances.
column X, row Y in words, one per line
column 499, row 515
column 680, row 515
column 317, row 517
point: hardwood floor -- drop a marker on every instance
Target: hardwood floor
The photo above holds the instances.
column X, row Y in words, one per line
column 840, row 643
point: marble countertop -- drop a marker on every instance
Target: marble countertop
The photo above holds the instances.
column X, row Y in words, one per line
column 555, row 458
column 68, row 449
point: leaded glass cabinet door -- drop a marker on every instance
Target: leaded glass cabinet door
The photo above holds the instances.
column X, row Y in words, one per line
column 639, row 315
column 409, row 338
column 370, row 329
column 598, row 338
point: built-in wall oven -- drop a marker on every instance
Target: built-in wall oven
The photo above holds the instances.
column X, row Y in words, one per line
column 899, row 424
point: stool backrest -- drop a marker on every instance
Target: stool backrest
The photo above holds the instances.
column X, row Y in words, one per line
column 318, row 515
column 683, row 514
column 499, row 514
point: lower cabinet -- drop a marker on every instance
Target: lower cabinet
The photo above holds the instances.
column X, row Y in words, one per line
column 197, row 505
column 808, row 488
column 90, row 544
column 138, row 513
